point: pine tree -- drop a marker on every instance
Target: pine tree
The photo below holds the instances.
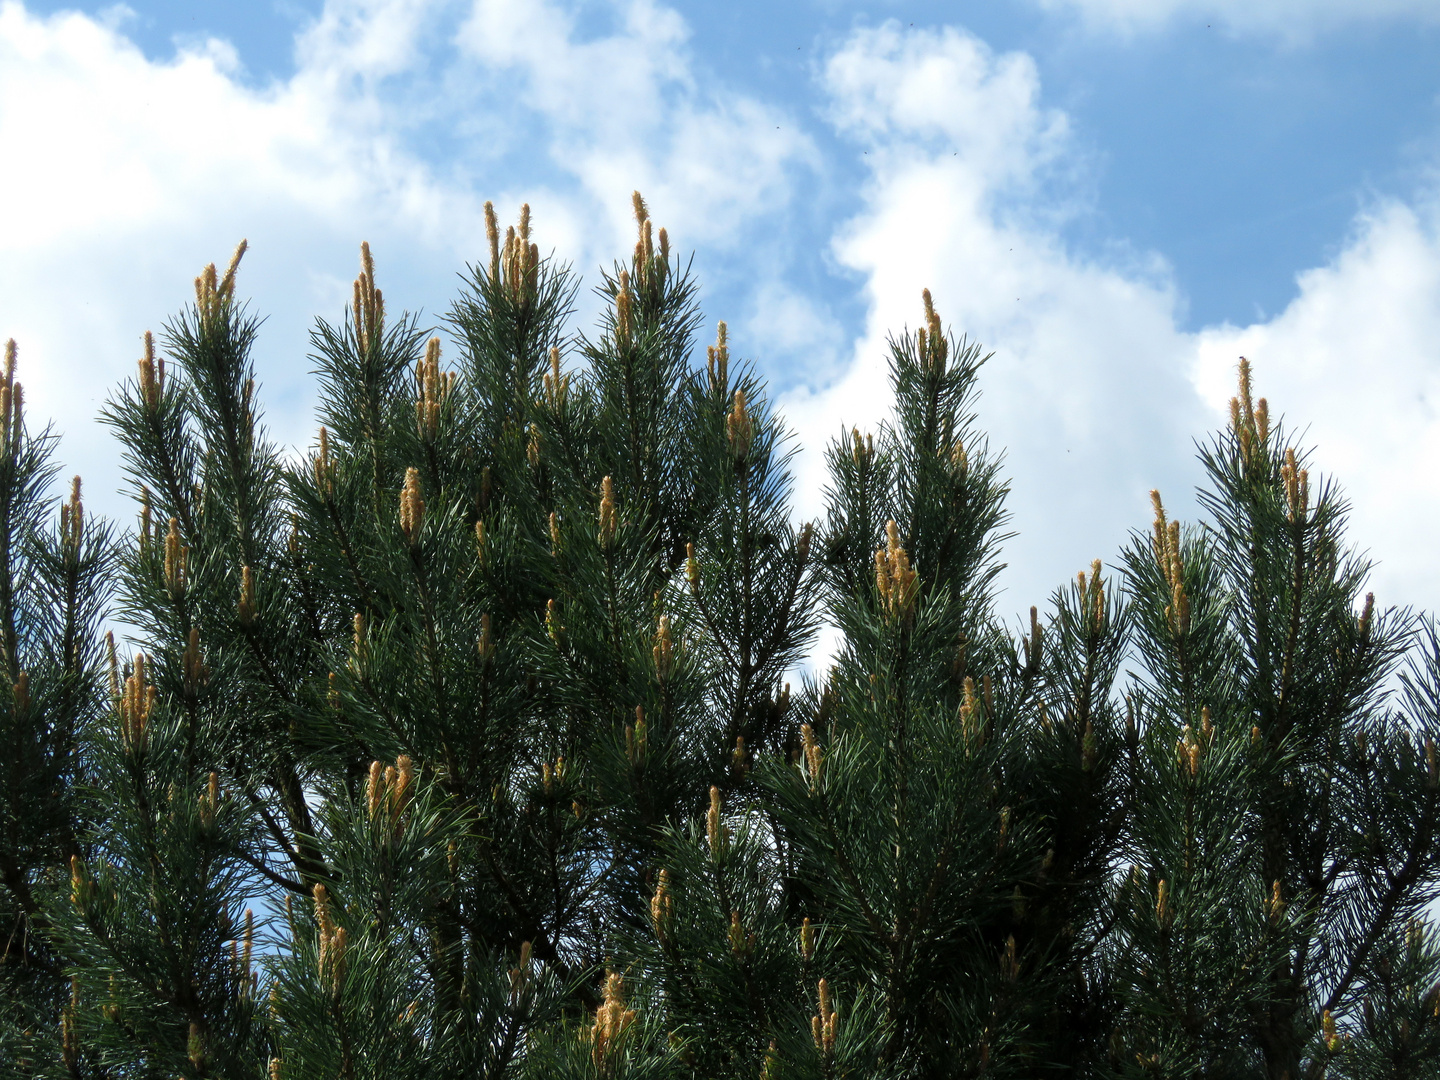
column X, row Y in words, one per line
column 1285, row 848
column 475, row 740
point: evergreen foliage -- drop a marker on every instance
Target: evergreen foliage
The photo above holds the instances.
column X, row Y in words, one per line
column 461, row 744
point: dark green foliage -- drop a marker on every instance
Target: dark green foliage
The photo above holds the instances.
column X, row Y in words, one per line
column 154, row 911
column 54, row 589
column 461, row 745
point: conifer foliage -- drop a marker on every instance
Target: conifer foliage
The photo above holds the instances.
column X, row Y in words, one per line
column 472, row 741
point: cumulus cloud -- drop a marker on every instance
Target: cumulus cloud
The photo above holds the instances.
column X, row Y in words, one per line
column 627, row 110
column 1354, row 363
column 126, row 174
column 1289, row 19
column 1088, row 385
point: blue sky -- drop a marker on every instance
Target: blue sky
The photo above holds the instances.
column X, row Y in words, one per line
column 1118, row 196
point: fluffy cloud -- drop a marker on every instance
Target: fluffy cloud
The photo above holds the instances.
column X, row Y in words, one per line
column 1290, row 19
column 126, row 174
column 626, row 110
column 1353, row 363
column 1088, row 385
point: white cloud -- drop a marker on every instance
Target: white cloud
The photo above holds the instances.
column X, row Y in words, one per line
column 362, row 39
column 626, row 110
column 792, row 329
column 1354, row 362
column 1087, row 387
column 1286, row 19
column 126, row 174
column 944, row 91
